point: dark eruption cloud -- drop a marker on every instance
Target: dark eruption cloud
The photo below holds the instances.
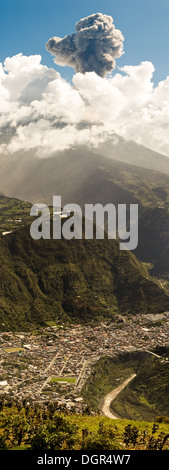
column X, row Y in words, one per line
column 93, row 48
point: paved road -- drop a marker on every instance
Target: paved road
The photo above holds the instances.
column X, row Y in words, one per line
column 112, row 395
column 50, row 365
column 81, row 375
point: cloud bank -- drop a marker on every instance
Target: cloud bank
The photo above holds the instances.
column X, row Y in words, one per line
column 93, row 48
column 40, row 111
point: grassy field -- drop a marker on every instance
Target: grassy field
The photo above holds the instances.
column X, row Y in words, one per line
column 70, row 380
column 118, row 426
column 13, row 349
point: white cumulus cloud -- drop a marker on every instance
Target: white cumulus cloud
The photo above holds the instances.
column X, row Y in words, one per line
column 41, row 111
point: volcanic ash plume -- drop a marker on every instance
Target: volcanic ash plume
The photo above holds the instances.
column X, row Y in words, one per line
column 93, row 48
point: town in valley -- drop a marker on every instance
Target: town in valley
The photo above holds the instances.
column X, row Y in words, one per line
column 54, row 362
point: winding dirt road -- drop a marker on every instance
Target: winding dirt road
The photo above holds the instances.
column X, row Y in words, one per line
column 112, row 395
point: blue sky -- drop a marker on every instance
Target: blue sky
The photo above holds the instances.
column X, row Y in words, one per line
column 25, row 26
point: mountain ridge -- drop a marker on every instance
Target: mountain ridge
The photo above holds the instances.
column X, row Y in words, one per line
column 71, row 280
column 128, row 151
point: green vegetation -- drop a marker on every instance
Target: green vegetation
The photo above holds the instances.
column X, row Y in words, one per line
column 51, row 323
column 14, row 214
column 147, row 395
column 82, row 177
column 121, row 183
column 70, row 380
column 45, row 281
column 144, row 398
column 28, row 426
column 13, row 349
column 150, row 188
column 76, row 280
column 107, row 374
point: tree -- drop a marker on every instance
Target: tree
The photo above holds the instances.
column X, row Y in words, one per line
column 155, row 428
column 131, row 434
column 40, row 440
column 54, row 434
column 3, row 439
column 19, row 427
column 157, row 444
column 103, row 438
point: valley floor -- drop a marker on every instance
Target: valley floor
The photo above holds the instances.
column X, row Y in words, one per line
column 55, row 362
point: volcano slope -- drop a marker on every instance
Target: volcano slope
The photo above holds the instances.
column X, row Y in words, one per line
column 81, row 176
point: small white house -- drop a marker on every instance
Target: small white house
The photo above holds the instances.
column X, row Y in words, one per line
column 6, row 233
column 3, row 383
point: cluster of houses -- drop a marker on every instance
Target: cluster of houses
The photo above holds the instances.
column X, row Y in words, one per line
column 55, row 362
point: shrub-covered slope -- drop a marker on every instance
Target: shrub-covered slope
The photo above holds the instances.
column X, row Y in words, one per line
column 77, row 280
